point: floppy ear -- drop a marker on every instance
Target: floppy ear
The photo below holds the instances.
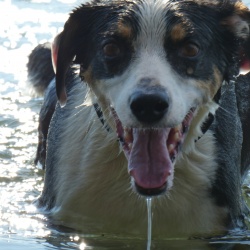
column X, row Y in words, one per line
column 76, row 40
column 64, row 49
column 71, row 42
column 238, row 23
column 245, row 56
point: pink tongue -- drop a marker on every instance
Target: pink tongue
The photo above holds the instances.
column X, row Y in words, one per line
column 149, row 160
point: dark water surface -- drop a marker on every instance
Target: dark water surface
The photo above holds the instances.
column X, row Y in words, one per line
column 24, row 24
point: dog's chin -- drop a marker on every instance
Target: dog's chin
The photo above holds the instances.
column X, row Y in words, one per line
column 151, row 154
column 149, row 192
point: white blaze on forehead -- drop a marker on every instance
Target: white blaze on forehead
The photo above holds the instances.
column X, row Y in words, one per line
column 152, row 22
column 150, row 57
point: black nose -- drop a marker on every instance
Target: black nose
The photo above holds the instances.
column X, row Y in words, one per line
column 149, row 107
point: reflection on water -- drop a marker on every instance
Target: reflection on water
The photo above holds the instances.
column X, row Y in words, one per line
column 24, row 24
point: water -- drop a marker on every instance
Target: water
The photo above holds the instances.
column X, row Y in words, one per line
column 149, row 209
column 24, row 24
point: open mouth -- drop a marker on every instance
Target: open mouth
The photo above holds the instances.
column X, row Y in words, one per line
column 151, row 154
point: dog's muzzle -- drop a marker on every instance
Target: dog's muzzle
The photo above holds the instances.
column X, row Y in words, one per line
column 151, row 151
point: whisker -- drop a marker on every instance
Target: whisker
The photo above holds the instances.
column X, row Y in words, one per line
column 228, row 112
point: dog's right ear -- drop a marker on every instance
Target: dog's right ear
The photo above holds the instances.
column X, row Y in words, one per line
column 75, row 41
column 72, row 42
column 54, row 50
column 63, row 52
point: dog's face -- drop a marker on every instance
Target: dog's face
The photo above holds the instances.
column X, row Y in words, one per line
column 153, row 66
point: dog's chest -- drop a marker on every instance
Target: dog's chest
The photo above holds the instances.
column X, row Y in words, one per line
column 108, row 201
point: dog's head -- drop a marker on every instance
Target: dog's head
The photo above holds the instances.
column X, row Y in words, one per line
column 155, row 67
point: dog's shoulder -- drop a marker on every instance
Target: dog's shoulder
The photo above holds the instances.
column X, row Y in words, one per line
column 242, row 89
column 230, row 132
column 57, row 120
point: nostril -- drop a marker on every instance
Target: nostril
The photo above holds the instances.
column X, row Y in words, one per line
column 149, row 107
column 160, row 106
column 137, row 107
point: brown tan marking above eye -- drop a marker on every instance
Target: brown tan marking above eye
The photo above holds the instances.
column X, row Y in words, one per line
column 111, row 50
column 178, row 32
column 189, row 50
column 124, row 30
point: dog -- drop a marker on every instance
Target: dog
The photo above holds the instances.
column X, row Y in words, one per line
column 150, row 105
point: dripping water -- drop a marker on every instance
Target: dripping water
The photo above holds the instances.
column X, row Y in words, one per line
column 149, row 206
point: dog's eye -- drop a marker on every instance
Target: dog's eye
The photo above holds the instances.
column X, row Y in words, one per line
column 189, row 50
column 111, row 50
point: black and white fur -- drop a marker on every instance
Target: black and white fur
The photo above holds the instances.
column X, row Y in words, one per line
column 146, row 68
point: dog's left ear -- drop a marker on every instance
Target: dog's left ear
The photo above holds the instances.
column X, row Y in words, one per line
column 238, row 22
